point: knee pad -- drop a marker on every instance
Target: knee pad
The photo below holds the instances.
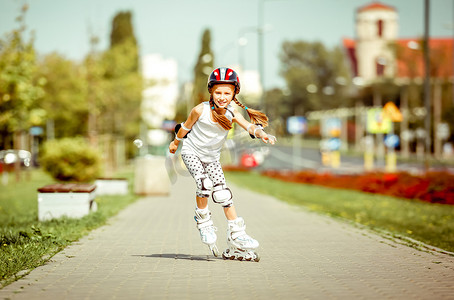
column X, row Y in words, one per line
column 222, row 195
column 204, row 185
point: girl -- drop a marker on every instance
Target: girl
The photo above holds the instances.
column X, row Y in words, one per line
column 205, row 132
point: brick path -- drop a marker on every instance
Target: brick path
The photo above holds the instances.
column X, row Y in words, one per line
column 152, row 250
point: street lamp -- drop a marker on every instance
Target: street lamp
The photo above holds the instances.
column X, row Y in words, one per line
column 427, row 104
column 260, row 52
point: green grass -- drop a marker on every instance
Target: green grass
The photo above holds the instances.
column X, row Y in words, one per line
column 432, row 224
column 26, row 243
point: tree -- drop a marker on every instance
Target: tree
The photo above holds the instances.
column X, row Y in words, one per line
column 119, row 110
column 202, row 70
column 65, row 102
column 316, row 77
column 278, row 104
column 123, row 33
column 279, row 108
column 121, row 105
column 124, row 81
column 18, row 88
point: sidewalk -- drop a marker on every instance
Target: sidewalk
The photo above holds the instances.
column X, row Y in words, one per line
column 152, row 250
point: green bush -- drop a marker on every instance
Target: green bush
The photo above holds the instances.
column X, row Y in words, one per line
column 71, row 159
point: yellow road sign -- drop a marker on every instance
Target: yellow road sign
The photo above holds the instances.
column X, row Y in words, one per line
column 377, row 121
column 391, row 111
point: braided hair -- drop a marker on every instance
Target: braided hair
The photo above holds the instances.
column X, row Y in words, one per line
column 255, row 116
column 221, row 119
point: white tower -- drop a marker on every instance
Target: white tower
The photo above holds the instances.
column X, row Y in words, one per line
column 376, row 28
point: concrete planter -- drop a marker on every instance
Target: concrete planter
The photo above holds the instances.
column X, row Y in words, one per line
column 111, row 186
column 151, row 176
column 71, row 200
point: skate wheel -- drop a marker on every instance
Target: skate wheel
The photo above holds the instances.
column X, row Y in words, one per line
column 215, row 251
column 225, row 255
column 257, row 257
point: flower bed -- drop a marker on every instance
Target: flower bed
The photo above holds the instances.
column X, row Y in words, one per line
column 434, row 187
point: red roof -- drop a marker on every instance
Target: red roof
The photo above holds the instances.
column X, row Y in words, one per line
column 350, row 51
column 410, row 60
column 376, row 6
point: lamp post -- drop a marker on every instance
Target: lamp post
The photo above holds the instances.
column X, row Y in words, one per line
column 427, row 104
column 260, row 53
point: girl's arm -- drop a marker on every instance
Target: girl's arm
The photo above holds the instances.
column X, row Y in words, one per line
column 196, row 112
column 253, row 129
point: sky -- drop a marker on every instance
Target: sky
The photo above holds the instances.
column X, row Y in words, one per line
column 173, row 28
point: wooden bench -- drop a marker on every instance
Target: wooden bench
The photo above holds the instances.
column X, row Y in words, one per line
column 72, row 200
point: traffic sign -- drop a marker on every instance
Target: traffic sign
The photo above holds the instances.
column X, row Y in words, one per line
column 390, row 110
column 392, row 140
column 331, row 127
column 36, row 130
column 296, row 125
column 334, row 144
column 377, row 121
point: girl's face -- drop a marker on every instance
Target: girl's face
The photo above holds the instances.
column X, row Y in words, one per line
column 223, row 94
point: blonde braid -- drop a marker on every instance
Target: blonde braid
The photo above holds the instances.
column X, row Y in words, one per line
column 257, row 117
column 221, row 119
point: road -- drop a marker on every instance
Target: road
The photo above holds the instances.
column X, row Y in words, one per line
column 282, row 157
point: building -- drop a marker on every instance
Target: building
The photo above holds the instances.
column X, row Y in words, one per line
column 377, row 54
column 159, row 96
column 377, row 50
column 161, row 90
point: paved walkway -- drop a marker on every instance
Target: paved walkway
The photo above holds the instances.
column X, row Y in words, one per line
column 151, row 250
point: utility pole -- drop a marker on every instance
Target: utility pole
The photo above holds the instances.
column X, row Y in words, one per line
column 452, row 76
column 260, row 32
column 427, row 104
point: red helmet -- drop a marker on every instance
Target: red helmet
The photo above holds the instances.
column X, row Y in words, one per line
column 224, row 75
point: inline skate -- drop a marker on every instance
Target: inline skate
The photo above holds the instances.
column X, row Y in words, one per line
column 206, row 229
column 241, row 246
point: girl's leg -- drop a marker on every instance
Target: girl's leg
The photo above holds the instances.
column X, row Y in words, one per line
column 197, row 171
column 202, row 214
column 230, row 213
column 241, row 245
column 216, row 174
column 202, row 202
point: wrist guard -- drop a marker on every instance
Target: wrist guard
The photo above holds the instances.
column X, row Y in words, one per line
column 259, row 126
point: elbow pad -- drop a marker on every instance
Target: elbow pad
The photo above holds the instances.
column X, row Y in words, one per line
column 178, row 126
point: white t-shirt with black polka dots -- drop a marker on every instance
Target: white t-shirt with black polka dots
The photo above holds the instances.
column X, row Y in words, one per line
column 206, row 137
